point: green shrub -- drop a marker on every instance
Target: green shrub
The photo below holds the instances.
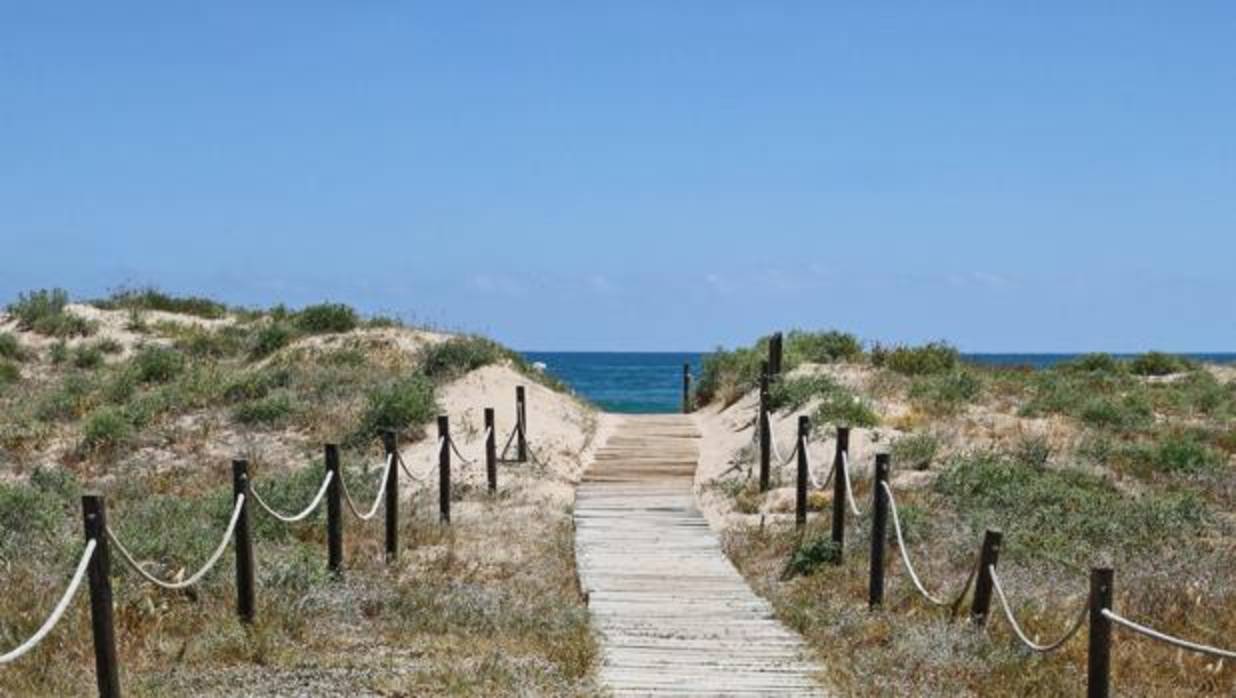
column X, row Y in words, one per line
column 70, row 400
column 1157, row 363
column 915, row 451
column 155, row 364
column 1066, row 513
column 270, row 338
column 256, row 384
column 9, row 372
column 151, row 298
column 268, row 410
column 326, row 317
column 820, row 347
column 59, row 352
column 810, row 555
column 105, row 428
column 10, row 348
column 726, row 375
column 1093, row 363
column 33, row 306
column 928, row 359
column 945, row 393
column 35, row 511
column 1173, row 453
column 459, row 355
column 1121, row 414
column 397, row 405
column 845, row 408
column 218, row 344
column 381, row 321
column 794, row 392
column 107, row 345
column 87, row 357
column 1033, row 449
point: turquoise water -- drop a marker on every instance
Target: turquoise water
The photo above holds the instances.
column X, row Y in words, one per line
column 637, row 382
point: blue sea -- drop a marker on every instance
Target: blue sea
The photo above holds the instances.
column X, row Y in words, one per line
column 641, row 382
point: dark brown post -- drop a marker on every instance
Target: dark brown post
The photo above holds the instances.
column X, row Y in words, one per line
column 444, row 467
column 391, row 445
column 763, row 424
column 686, row 388
column 774, row 354
column 1099, row 664
column 334, row 512
column 982, row 583
column 106, row 670
column 245, row 605
column 839, row 493
column 521, row 425
column 491, row 451
column 800, row 493
column 879, row 531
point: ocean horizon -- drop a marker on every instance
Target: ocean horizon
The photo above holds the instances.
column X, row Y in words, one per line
column 651, row 381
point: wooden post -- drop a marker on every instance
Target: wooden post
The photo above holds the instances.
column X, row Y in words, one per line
column 1099, row 662
column 774, row 354
column 491, row 451
column 391, row 445
column 521, row 425
column 982, row 584
column 444, row 468
column 763, row 424
column 334, row 512
column 839, row 493
column 800, row 493
column 106, row 670
column 686, row 388
column 245, row 606
column 879, row 531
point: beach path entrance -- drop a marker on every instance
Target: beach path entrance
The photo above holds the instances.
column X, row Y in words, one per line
column 675, row 617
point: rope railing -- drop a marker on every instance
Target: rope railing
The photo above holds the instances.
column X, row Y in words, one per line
column 1078, row 621
column 849, row 486
column 304, row 513
column 909, row 565
column 58, row 611
column 406, row 471
column 1165, row 638
column 462, row 458
column 377, row 500
column 197, row 576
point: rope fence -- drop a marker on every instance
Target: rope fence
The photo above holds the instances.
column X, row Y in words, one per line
column 94, row 564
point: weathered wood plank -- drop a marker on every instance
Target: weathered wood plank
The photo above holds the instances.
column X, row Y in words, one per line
column 676, row 618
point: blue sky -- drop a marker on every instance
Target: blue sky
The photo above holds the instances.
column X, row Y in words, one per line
column 640, row 175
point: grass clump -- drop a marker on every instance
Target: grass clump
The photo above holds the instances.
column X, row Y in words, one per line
column 270, row 338
column 820, row 347
column 10, row 348
column 928, row 359
column 915, row 451
column 326, row 318
column 1157, row 363
column 945, row 393
column 151, row 298
column 266, row 411
column 1094, row 363
column 726, row 375
column 459, row 355
column 844, row 408
column 810, row 555
column 401, row 404
column 46, row 312
column 87, row 357
column 792, row 393
column 106, row 428
column 9, row 373
column 154, row 364
column 1063, row 513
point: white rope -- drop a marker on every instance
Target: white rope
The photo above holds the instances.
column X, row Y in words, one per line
column 58, row 611
column 377, row 500
column 1161, row 637
column 849, row 487
column 462, row 459
column 776, row 450
column 815, row 480
column 293, row 518
column 210, row 563
column 905, row 557
column 1008, row 614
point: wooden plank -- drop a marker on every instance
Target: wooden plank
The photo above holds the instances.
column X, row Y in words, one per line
column 676, row 618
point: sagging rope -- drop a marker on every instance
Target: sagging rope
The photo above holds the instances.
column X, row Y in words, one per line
column 1163, row 637
column 377, row 501
column 58, row 612
column 462, row 459
column 210, row 563
column 509, row 439
column 293, row 518
column 905, row 558
column 783, row 460
column 1017, row 630
column 849, row 487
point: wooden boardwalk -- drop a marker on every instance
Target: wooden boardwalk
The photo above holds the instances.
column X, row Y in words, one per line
column 675, row 616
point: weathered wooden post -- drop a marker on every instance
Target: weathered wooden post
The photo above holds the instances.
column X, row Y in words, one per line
column 839, row 491
column 444, row 469
column 106, row 670
column 521, row 425
column 774, row 354
column 245, row 601
column 334, row 512
column 800, row 492
column 491, row 451
column 989, row 556
column 686, row 388
column 879, row 531
column 1099, row 662
column 390, row 444
column 763, row 424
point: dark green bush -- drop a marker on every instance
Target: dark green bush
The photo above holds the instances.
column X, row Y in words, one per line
column 1172, row 453
column 155, row 364
column 1093, row 363
column 87, row 357
column 270, row 338
column 326, row 317
column 845, row 409
column 256, row 384
column 1121, row 414
column 106, row 428
column 268, row 410
column 459, row 355
column 33, row 306
column 820, row 347
column 9, row 372
column 1157, row 363
column 10, row 348
column 151, row 298
column 398, row 405
column 726, row 375
column 928, row 359
column 945, row 393
column 810, row 555
column 791, row 393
